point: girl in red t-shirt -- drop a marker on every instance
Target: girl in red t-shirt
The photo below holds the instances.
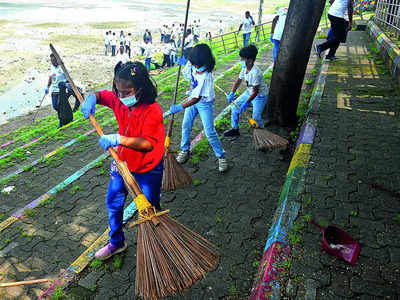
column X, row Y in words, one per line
column 140, row 140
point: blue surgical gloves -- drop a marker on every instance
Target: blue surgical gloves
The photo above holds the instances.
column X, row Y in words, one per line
column 230, row 97
column 109, row 140
column 243, row 107
column 46, row 91
column 174, row 109
column 89, row 105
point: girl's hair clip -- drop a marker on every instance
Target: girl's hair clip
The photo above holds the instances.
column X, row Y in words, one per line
column 133, row 71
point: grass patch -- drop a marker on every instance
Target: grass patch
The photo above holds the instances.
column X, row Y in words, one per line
column 47, row 25
column 96, row 263
column 111, row 25
column 30, row 212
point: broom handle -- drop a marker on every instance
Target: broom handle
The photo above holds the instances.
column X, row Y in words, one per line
column 317, row 225
column 9, row 284
column 171, row 120
column 96, row 125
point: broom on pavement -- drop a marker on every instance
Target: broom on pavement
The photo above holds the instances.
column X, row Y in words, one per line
column 175, row 175
column 265, row 139
column 170, row 257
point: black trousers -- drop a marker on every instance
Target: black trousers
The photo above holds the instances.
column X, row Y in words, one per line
column 339, row 32
column 166, row 61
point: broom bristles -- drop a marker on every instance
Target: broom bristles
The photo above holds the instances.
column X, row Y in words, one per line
column 170, row 258
column 175, row 175
column 264, row 139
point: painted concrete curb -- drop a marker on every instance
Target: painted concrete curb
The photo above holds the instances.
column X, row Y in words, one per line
column 389, row 50
column 277, row 248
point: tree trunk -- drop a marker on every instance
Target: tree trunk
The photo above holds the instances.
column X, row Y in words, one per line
column 260, row 12
column 287, row 78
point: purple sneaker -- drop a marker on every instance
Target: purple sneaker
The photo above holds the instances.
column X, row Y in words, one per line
column 108, row 251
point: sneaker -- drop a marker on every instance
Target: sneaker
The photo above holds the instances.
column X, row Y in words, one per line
column 331, row 58
column 317, row 49
column 183, row 157
column 232, row 132
column 108, row 251
column 222, row 164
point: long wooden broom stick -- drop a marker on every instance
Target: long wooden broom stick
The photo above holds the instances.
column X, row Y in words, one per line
column 26, row 282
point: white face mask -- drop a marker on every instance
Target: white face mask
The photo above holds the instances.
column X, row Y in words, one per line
column 199, row 70
column 129, row 101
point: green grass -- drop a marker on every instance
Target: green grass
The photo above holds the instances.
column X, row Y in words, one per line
column 112, row 25
column 48, row 25
column 29, row 212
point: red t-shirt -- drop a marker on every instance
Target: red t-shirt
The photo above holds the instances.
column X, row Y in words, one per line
column 145, row 121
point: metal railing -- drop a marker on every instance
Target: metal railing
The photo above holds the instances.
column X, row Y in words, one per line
column 229, row 42
column 388, row 14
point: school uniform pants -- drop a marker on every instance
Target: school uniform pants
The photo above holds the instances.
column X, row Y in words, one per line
column 128, row 50
column 147, row 63
column 339, row 35
column 113, row 50
column 258, row 107
column 246, row 38
column 106, row 49
column 166, row 61
column 205, row 110
column 150, row 184
column 276, row 47
column 54, row 100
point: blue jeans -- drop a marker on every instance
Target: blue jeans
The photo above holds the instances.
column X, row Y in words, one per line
column 150, row 184
column 258, row 107
column 106, row 49
column 205, row 110
column 147, row 64
column 113, row 48
column 246, row 38
column 276, row 47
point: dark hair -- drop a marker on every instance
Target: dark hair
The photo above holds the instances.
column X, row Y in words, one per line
column 136, row 76
column 249, row 51
column 188, row 31
column 201, row 55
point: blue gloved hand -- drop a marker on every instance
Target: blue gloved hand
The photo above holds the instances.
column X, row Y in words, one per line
column 230, row 97
column 243, row 107
column 89, row 105
column 46, row 91
column 271, row 38
column 174, row 109
column 109, row 140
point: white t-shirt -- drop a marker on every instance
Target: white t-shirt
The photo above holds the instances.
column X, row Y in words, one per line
column 113, row 40
column 338, row 8
column 253, row 78
column 148, row 50
column 122, row 57
column 57, row 76
column 167, row 49
column 106, row 39
column 280, row 25
column 247, row 25
column 204, row 88
column 128, row 41
column 189, row 41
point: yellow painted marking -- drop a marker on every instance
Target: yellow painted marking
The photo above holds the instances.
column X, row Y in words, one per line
column 343, row 103
column 390, row 113
column 53, row 152
column 7, row 222
column 301, row 157
column 83, row 260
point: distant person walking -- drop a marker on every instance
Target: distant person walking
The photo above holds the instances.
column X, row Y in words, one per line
column 147, row 36
column 221, row 28
column 246, row 24
column 278, row 24
column 122, row 38
column 148, row 54
column 128, row 42
column 106, row 43
column 339, row 25
column 113, row 44
column 166, row 53
column 121, row 56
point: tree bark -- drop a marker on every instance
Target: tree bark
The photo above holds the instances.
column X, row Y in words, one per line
column 294, row 51
column 260, row 12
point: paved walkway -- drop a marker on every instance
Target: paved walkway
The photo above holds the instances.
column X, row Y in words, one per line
column 354, row 159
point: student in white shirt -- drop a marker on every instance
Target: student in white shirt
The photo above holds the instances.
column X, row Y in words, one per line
column 113, row 44
column 246, row 24
column 201, row 102
column 121, row 56
column 339, row 25
column 106, row 43
column 256, row 92
column 278, row 24
column 221, row 27
column 166, row 53
column 128, row 41
column 148, row 54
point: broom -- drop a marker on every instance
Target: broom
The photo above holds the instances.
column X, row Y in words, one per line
column 175, row 175
column 170, row 257
column 265, row 139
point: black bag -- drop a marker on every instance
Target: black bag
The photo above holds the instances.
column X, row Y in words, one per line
column 64, row 109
